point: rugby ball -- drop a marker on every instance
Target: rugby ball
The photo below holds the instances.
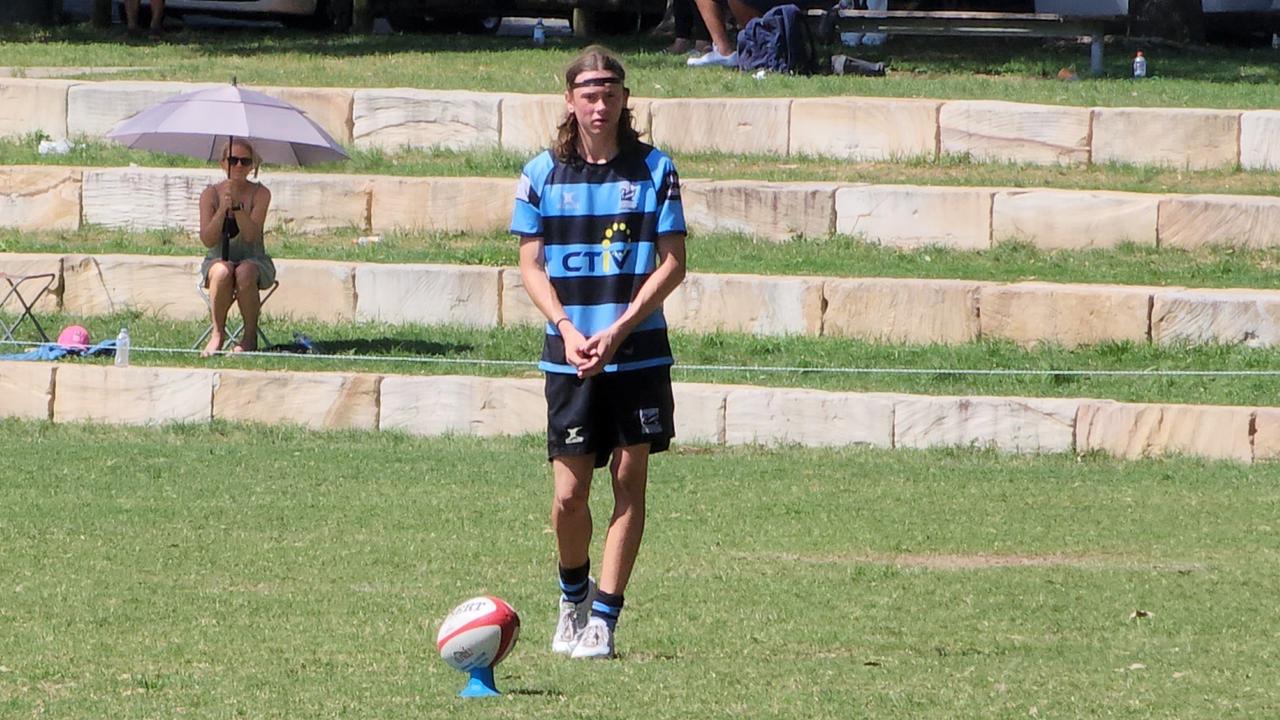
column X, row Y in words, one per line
column 478, row 633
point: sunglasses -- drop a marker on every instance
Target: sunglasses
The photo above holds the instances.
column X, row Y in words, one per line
column 245, row 161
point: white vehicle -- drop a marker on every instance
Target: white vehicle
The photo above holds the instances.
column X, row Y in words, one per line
column 608, row 16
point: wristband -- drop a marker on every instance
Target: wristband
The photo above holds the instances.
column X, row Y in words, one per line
column 556, row 324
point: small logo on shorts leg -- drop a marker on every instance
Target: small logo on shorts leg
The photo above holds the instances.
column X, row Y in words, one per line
column 573, row 438
column 650, row 421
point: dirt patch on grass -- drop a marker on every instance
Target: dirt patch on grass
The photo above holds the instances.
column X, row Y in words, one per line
column 976, row 561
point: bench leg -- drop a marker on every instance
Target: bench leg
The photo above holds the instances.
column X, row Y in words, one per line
column 1095, row 54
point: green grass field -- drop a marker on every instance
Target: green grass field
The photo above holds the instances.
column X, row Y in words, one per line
column 926, row 67
column 230, row 571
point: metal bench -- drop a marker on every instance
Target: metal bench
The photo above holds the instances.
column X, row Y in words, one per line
column 977, row 24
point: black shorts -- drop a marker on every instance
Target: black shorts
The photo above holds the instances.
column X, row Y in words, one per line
column 593, row 416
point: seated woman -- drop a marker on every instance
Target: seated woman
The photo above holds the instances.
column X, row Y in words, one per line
column 236, row 208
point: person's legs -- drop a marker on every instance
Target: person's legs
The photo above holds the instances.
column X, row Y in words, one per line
column 221, row 283
column 690, row 30
column 570, row 513
column 131, row 13
column 571, row 521
column 250, row 304
column 157, row 15
column 713, row 16
column 630, row 471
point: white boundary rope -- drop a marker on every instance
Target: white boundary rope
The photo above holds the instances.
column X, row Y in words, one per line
column 1149, row 372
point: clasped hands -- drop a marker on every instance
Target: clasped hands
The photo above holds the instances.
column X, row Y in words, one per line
column 590, row 355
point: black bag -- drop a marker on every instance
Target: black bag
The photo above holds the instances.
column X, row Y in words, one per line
column 778, row 41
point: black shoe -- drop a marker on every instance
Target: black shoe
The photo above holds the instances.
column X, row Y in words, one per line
column 845, row 65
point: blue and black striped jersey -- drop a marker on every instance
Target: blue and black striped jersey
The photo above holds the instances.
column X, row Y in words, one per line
column 599, row 225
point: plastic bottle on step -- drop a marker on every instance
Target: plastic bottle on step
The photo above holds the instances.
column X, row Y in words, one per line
column 1139, row 66
column 122, row 348
column 539, row 33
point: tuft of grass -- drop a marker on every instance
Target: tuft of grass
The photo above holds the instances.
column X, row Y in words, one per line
column 214, row 571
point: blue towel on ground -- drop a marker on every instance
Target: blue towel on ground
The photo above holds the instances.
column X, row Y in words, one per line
column 54, row 351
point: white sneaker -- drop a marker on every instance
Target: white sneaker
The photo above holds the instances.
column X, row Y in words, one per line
column 595, row 642
column 573, row 618
column 714, row 58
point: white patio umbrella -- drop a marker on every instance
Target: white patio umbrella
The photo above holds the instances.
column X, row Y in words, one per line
column 197, row 124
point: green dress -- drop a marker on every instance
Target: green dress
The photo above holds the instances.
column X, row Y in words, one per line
column 242, row 251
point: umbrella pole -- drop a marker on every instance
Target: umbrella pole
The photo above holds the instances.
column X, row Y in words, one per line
column 226, row 231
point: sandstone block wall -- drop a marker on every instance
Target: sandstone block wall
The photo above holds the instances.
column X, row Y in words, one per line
column 712, row 414
column 770, row 416
column 1260, row 140
column 446, row 404
column 760, row 305
column 157, row 285
column 441, row 204
column 871, row 129
column 330, row 108
column 321, row 401
column 1137, row 430
column 1015, row 132
column 391, row 119
column 132, row 395
column 1192, row 221
column 856, row 128
column 1067, row 315
column 94, row 108
column 1247, row 317
column 1191, row 139
column 894, row 310
column 428, row 294
column 145, row 198
column 733, row 125
column 28, row 106
column 26, row 390
column 1074, row 219
column 40, row 198
column 49, row 197
column 777, row 211
column 314, row 290
column 1015, row 425
column 15, row 264
column 911, row 216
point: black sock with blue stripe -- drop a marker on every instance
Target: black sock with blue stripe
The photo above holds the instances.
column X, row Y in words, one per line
column 573, row 583
column 607, row 607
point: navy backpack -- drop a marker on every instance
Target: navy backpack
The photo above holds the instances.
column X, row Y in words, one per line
column 778, row 41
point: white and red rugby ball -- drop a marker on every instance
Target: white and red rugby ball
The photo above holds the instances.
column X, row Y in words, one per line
column 478, row 633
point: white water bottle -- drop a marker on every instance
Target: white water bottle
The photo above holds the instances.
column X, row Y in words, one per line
column 122, row 348
column 1139, row 65
column 539, row 33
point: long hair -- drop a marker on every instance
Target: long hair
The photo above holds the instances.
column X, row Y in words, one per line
column 594, row 57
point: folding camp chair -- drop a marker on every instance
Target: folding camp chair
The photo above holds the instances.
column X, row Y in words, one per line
column 233, row 336
column 41, row 282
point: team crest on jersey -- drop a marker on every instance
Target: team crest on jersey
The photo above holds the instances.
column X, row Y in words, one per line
column 613, row 259
column 627, row 197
